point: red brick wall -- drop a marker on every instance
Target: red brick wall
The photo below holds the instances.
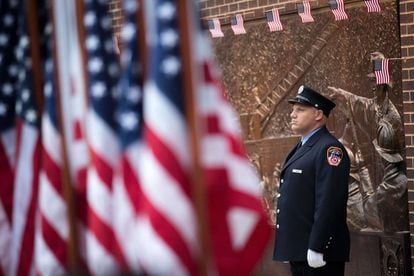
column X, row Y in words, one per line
column 407, row 53
column 254, row 9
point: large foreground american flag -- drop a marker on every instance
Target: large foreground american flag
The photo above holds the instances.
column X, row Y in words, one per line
column 236, row 225
column 104, row 253
column 8, row 78
column 137, row 210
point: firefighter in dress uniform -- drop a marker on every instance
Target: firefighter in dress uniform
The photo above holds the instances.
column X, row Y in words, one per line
column 311, row 229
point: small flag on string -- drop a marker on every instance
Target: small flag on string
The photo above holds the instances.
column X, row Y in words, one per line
column 338, row 9
column 215, row 28
column 304, row 11
column 273, row 20
column 237, row 24
column 381, row 70
column 373, row 5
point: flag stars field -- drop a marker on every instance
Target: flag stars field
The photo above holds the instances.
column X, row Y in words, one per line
column 106, row 23
column 8, row 20
column 3, row 109
column 7, row 89
column 128, row 32
column 90, row 19
column 95, row 65
column 25, row 95
column 113, row 69
column 98, row 90
column 13, row 71
column 3, row 39
column 131, row 6
column 171, row 66
column 48, row 89
column 169, row 38
column 166, row 11
column 128, row 120
column 31, row 116
column 109, row 45
column 92, row 43
column 134, row 94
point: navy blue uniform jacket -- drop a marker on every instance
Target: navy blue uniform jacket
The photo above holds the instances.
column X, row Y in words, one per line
column 311, row 205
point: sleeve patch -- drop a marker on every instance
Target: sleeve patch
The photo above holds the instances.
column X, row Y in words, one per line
column 334, row 156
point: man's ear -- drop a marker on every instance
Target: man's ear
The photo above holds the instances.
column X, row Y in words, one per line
column 319, row 114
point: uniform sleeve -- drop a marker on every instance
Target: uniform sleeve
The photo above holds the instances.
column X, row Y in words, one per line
column 331, row 194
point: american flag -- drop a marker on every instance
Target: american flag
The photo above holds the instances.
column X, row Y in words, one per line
column 237, row 228
column 237, row 24
column 381, row 70
column 273, row 20
column 128, row 199
column 52, row 233
column 338, row 9
column 65, row 78
column 215, row 28
column 8, row 78
column 104, row 253
column 304, row 11
column 373, row 5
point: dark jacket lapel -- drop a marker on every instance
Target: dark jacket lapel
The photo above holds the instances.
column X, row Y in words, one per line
column 304, row 149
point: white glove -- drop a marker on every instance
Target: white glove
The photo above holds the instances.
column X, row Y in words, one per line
column 315, row 259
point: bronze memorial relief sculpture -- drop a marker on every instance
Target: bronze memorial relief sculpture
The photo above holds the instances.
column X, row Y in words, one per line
column 262, row 70
column 383, row 207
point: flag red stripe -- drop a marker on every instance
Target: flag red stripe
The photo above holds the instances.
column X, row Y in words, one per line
column 102, row 168
column 106, row 236
column 52, row 171
column 163, row 227
column 168, row 160
column 54, row 241
column 6, row 186
column 241, row 261
column 170, row 236
column 27, row 245
column 131, row 184
column 81, row 198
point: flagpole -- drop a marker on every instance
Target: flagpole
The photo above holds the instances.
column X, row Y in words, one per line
column 185, row 18
column 403, row 59
column 33, row 32
column 141, row 40
column 67, row 183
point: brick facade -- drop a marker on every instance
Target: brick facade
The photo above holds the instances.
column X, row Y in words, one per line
column 254, row 9
column 407, row 53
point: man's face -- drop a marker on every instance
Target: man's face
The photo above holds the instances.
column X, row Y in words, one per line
column 304, row 119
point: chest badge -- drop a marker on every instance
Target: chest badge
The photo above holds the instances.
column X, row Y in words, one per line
column 334, row 155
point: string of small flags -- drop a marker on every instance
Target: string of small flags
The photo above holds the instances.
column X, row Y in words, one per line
column 275, row 24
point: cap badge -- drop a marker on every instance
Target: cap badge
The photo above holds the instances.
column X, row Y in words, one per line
column 334, row 156
column 301, row 88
